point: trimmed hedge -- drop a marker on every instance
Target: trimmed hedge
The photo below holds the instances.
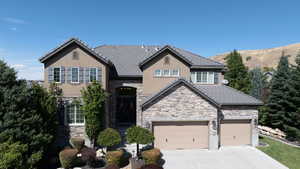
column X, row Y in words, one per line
column 109, row 137
column 151, row 156
column 88, row 155
column 68, row 158
column 114, row 157
column 77, row 143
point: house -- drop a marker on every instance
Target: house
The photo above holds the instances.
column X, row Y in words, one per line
column 173, row 92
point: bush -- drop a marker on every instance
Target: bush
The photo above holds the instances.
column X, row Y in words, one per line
column 151, row 166
column 151, row 156
column 10, row 155
column 77, row 143
column 112, row 166
column 68, row 158
column 109, row 137
column 88, row 155
column 114, row 157
column 292, row 133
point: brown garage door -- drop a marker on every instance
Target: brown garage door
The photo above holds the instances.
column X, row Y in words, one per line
column 180, row 135
column 235, row 132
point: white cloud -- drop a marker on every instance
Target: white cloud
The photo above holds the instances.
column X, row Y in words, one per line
column 30, row 73
column 18, row 66
column 13, row 28
column 13, row 20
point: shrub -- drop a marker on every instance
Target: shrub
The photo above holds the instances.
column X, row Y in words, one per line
column 77, row 143
column 139, row 135
column 114, row 157
column 292, row 133
column 88, row 155
column 68, row 158
column 151, row 166
column 151, row 156
column 109, row 137
column 112, row 166
column 10, row 155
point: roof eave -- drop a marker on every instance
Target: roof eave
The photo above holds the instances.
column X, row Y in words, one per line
column 167, row 47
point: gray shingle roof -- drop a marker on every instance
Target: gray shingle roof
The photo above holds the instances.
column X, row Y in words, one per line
column 225, row 95
column 126, row 58
column 219, row 95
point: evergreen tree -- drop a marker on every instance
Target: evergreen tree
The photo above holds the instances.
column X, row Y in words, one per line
column 258, row 83
column 279, row 105
column 93, row 109
column 295, row 93
column 237, row 73
column 27, row 117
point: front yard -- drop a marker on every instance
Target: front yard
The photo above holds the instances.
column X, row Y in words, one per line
column 285, row 154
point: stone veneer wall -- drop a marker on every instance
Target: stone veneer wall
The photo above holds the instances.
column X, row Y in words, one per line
column 243, row 112
column 182, row 104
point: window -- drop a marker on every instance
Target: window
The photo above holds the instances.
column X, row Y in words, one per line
column 75, row 75
column 175, row 72
column 93, row 74
column 166, row 72
column 203, row 77
column 157, row 72
column 74, row 114
column 56, row 73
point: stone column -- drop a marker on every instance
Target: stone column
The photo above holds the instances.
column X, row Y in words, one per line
column 213, row 135
column 254, row 136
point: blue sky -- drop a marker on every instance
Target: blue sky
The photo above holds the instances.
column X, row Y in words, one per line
column 29, row 29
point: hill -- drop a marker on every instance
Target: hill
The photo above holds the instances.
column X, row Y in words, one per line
column 264, row 57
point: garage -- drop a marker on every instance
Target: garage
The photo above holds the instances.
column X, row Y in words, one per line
column 235, row 132
column 180, row 135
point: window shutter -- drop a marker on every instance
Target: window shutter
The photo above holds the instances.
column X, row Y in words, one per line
column 62, row 74
column 69, row 74
column 99, row 75
column 50, row 74
column 216, row 78
column 81, row 74
column 87, row 75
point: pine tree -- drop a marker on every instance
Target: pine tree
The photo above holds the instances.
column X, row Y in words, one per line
column 27, row 117
column 295, row 93
column 237, row 73
column 278, row 105
column 258, row 83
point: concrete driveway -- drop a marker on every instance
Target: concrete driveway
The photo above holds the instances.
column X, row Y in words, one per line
column 244, row 157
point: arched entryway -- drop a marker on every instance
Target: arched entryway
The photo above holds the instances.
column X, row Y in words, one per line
column 126, row 106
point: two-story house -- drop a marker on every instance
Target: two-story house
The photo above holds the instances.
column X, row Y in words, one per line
column 176, row 94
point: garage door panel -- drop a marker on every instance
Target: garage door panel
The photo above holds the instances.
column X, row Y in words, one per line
column 235, row 133
column 181, row 135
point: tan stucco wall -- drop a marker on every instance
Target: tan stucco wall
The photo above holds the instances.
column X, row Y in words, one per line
column 64, row 58
column 153, row 84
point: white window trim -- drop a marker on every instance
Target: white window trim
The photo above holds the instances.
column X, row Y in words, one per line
column 72, row 74
column 90, row 74
column 207, row 76
column 66, row 117
column 160, row 73
column 166, row 75
column 175, row 75
column 59, row 75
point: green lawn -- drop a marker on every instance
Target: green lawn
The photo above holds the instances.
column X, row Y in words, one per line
column 285, row 154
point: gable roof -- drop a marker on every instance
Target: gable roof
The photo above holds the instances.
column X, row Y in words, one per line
column 165, row 48
column 126, row 58
column 69, row 42
column 219, row 95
